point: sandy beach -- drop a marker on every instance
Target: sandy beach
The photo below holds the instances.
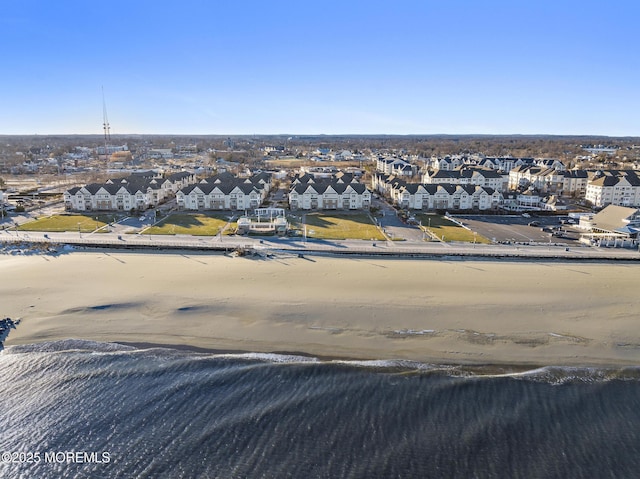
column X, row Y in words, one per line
column 478, row 312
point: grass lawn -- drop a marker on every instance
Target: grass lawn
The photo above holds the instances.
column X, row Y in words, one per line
column 342, row 226
column 186, row 224
column 440, row 226
column 57, row 223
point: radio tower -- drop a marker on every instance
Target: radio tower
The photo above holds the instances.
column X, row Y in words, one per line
column 106, row 127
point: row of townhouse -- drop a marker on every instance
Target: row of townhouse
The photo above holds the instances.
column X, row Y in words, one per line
column 444, row 196
column 396, row 166
column 448, row 163
column 315, row 177
column 505, row 163
column 225, row 192
column 136, row 192
column 468, row 175
column 613, row 187
column 549, row 180
column 329, row 195
column 341, row 191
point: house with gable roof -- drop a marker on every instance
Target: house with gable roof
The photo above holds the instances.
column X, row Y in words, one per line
column 396, row 166
column 437, row 196
column 446, row 197
column 225, row 192
column 467, row 175
column 331, row 194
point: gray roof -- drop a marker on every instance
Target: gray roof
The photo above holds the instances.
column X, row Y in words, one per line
column 181, row 175
column 614, row 218
column 225, row 187
column 322, row 187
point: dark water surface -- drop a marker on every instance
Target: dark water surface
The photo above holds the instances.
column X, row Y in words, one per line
column 82, row 409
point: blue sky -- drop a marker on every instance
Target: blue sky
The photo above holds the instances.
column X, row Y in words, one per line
column 314, row 67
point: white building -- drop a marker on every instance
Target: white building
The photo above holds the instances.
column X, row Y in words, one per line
column 135, row 192
column 396, row 166
column 225, row 192
column 614, row 187
column 467, row 175
column 224, row 196
column 330, row 195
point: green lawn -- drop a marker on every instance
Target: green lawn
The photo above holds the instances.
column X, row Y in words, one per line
column 57, row 223
column 440, row 226
column 190, row 224
column 342, row 226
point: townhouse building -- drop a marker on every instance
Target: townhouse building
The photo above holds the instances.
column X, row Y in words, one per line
column 446, row 197
column 436, row 196
column 329, row 195
column 548, row 180
column 225, row 192
column 396, row 166
column 138, row 191
column 468, row 175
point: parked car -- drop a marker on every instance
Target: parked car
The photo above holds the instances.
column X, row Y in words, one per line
column 534, row 223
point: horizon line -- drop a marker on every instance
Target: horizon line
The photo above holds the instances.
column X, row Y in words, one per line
column 600, row 135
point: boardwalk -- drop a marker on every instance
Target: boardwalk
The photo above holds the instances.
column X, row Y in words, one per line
column 275, row 244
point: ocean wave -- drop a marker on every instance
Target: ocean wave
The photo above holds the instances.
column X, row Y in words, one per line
column 559, row 375
column 556, row 375
column 67, row 345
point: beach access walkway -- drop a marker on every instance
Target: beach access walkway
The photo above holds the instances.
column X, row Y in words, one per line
column 272, row 244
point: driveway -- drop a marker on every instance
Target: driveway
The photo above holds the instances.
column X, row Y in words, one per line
column 392, row 225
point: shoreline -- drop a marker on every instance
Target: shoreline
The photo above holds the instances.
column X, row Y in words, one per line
column 446, row 311
column 512, row 367
column 475, row 368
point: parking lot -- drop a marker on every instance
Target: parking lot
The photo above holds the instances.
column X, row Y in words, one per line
column 520, row 229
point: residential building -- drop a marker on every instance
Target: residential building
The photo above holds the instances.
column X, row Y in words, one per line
column 329, row 195
column 505, row 163
column 548, row 180
column 446, row 197
column 225, row 192
column 138, row 191
column 396, row 166
column 575, row 183
column 236, row 195
column 436, row 196
column 467, row 175
column 614, row 187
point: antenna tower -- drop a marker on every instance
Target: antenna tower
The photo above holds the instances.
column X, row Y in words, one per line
column 105, row 126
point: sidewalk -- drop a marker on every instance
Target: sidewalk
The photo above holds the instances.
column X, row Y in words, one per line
column 299, row 245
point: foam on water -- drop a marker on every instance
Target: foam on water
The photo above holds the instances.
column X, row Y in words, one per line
column 161, row 412
column 66, row 345
column 549, row 374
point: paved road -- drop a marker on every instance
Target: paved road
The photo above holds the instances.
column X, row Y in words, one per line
column 392, row 226
column 513, row 228
column 299, row 245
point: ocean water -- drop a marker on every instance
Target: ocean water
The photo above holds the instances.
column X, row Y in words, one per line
column 75, row 409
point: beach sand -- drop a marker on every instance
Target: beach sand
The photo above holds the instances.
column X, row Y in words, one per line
column 437, row 311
